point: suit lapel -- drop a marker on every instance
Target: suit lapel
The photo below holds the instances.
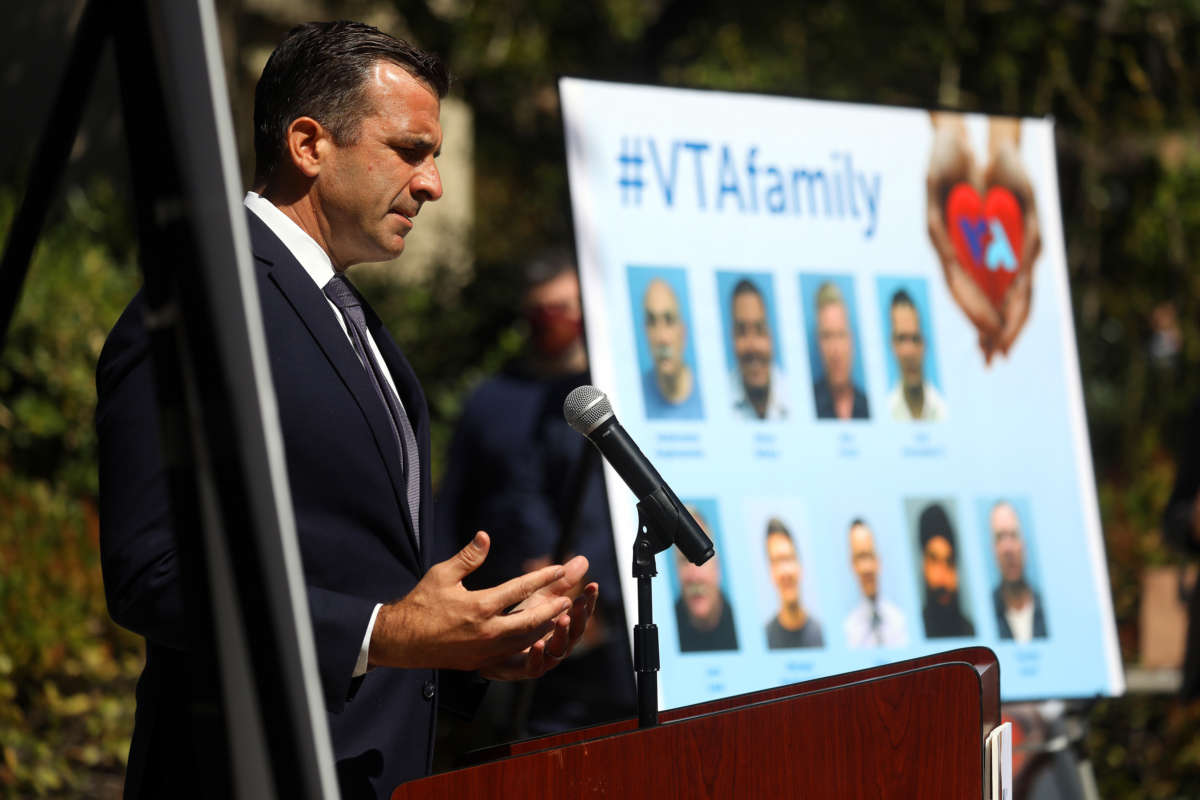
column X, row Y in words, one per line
column 314, row 311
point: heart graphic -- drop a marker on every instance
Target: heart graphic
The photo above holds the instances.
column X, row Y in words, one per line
column 987, row 236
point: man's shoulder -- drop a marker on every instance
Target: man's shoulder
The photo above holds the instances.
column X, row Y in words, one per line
column 126, row 345
column 502, row 394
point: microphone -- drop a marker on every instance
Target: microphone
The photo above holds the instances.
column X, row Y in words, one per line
column 588, row 411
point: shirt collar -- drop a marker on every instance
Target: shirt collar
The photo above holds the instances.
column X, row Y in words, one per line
column 311, row 255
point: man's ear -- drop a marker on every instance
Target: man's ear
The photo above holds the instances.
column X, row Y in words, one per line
column 307, row 145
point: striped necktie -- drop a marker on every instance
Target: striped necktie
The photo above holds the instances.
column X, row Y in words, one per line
column 346, row 299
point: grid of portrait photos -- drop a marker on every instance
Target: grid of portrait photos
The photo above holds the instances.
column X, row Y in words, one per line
column 882, row 477
column 915, row 585
column 831, row 574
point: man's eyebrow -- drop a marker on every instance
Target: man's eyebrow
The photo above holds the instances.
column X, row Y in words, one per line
column 417, row 141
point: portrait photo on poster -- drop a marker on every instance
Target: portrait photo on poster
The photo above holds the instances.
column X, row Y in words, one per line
column 909, row 345
column 668, row 371
column 703, row 609
column 793, row 621
column 753, row 353
column 876, row 617
column 942, row 577
column 830, row 311
column 1015, row 588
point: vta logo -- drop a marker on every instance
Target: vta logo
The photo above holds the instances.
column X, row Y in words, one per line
column 989, row 244
column 987, row 236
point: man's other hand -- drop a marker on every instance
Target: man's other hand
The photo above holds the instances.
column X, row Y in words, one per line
column 518, row 629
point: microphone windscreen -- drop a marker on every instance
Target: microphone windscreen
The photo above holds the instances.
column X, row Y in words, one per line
column 585, row 408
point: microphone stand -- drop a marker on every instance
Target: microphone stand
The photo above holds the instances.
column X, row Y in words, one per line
column 656, row 525
column 645, row 632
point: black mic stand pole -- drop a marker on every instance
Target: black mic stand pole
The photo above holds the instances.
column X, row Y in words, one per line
column 645, row 632
column 656, row 524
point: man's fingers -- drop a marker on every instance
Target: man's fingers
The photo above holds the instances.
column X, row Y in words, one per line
column 558, row 644
column 522, row 587
column 467, row 560
column 574, row 572
column 582, row 610
column 526, row 625
column 535, row 662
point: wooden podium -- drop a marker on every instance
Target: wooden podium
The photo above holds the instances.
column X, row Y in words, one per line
column 906, row 730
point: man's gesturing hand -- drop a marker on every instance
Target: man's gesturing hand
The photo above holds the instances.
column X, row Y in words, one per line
column 441, row 624
column 546, row 653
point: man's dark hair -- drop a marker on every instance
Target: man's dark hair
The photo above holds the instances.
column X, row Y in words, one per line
column 320, row 70
column 776, row 527
column 744, row 286
column 547, row 265
column 935, row 522
column 903, row 298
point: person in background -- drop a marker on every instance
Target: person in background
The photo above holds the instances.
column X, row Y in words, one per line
column 516, row 464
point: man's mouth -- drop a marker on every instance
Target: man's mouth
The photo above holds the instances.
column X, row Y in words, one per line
column 403, row 215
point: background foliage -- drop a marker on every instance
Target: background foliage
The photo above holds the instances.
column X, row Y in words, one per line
column 66, row 672
column 1120, row 79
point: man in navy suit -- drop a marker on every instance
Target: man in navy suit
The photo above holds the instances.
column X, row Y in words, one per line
column 346, row 133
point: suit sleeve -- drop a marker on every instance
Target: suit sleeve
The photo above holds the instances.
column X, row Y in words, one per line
column 139, row 557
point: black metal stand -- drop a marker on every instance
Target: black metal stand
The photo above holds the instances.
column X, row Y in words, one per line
column 264, row 734
column 660, row 520
column 645, row 632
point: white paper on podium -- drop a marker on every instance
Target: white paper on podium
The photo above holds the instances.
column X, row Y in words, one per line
column 999, row 759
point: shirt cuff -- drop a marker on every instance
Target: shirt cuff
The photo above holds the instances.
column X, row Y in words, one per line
column 360, row 666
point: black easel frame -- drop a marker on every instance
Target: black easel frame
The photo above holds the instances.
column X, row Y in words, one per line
column 230, row 501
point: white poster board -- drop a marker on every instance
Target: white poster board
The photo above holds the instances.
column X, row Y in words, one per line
column 766, row 311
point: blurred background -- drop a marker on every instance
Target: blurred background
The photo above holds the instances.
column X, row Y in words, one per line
column 1121, row 78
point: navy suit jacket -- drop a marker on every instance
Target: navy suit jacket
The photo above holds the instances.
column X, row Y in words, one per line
column 355, row 534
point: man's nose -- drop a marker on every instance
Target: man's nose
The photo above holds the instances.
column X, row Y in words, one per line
column 427, row 182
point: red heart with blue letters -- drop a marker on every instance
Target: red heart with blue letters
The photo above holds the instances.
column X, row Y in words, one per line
column 987, row 236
